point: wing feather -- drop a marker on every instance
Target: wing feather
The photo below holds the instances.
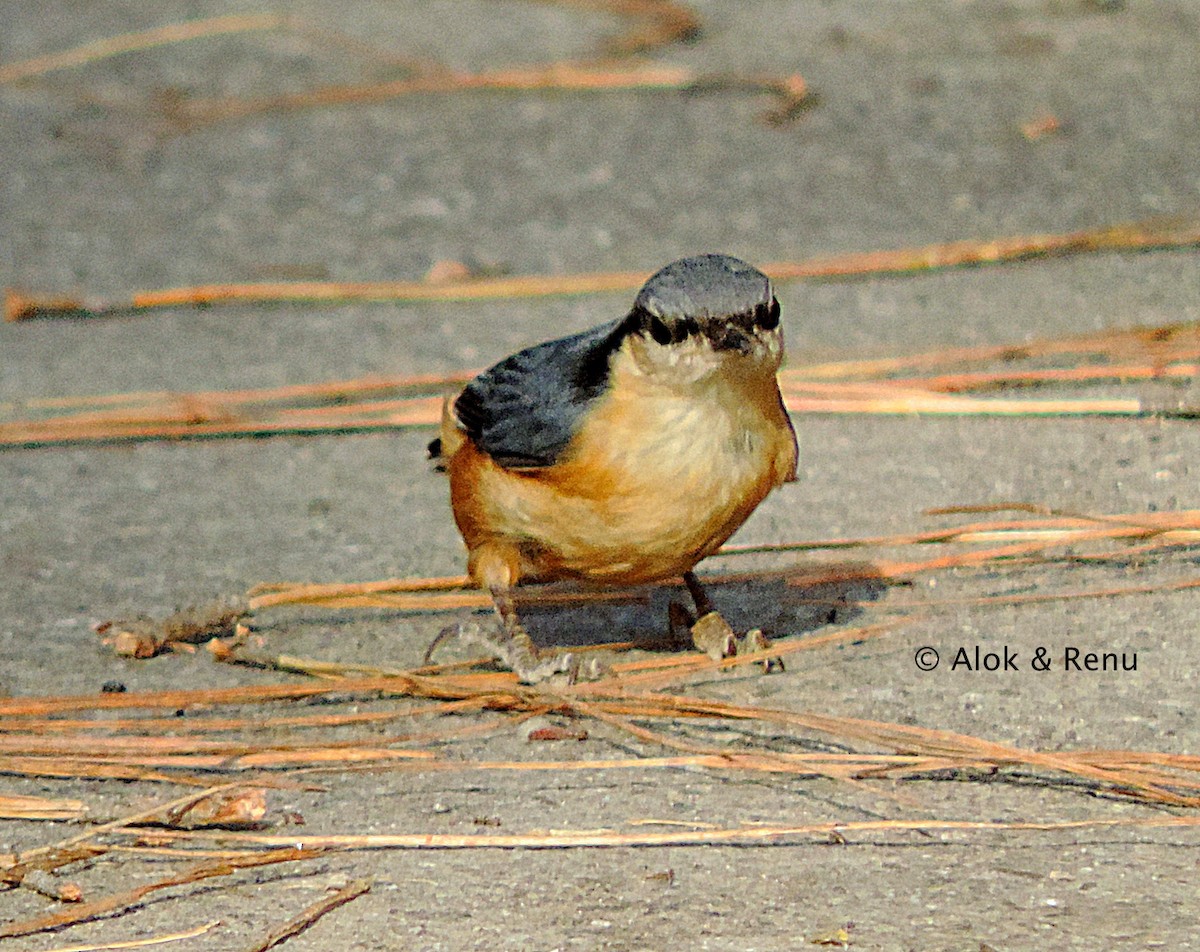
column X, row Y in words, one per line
column 524, row 411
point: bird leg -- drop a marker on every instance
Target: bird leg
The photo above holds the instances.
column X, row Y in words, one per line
column 700, row 599
column 712, row 634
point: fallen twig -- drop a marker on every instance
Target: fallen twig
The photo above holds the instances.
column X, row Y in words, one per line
column 1054, row 527
column 142, row 40
column 375, row 403
column 44, row 855
column 16, row 807
column 194, row 699
column 426, row 412
column 834, row 398
column 743, row 835
column 230, row 809
column 591, row 76
column 1004, row 379
column 1136, row 236
column 617, row 699
column 48, row 885
column 311, row 914
column 86, row 911
column 1159, row 343
column 18, row 869
column 141, row 943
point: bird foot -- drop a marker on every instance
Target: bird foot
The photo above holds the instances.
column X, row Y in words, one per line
column 712, row 634
column 521, row 656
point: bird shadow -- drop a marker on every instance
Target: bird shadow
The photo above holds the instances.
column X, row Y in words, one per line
column 779, row 603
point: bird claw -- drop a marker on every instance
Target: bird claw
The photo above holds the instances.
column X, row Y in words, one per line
column 520, row 655
column 755, row 640
column 587, row 669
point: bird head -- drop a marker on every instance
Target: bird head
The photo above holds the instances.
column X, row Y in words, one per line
column 702, row 315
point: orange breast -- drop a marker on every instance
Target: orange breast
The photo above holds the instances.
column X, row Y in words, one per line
column 654, row 482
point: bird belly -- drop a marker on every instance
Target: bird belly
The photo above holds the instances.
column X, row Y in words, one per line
column 652, row 485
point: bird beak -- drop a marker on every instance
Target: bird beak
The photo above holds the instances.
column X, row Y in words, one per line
column 729, row 337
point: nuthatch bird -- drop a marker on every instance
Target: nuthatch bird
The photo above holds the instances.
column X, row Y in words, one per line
column 625, row 454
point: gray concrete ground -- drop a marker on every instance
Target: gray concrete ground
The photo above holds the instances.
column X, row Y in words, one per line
column 915, row 139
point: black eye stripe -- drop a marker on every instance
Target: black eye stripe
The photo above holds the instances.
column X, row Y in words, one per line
column 660, row 331
column 674, row 332
column 766, row 316
column 668, row 331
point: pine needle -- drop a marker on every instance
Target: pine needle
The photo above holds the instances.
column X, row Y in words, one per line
column 1136, row 236
column 759, row 835
column 135, row 42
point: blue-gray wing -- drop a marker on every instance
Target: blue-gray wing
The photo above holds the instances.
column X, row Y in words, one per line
column 524, row 411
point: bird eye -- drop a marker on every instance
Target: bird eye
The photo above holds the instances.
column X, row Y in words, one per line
column 768, row 315
column 660, row 332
